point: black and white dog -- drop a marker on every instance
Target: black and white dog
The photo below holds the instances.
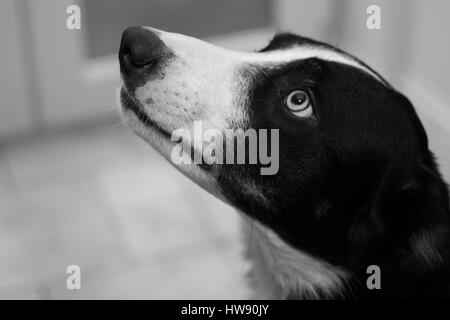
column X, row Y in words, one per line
column 356, row 186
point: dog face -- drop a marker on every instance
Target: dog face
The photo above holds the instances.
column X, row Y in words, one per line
column 343, row 130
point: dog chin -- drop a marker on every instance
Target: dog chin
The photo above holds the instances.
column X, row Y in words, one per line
column 161, row 141
column 143, row 126
column 131, row 104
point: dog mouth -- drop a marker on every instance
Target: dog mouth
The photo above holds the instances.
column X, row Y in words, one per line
column 130, row 103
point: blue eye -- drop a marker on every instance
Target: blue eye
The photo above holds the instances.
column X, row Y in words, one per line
column 299, row 103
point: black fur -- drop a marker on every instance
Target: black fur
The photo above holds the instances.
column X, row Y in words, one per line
column 357, row 184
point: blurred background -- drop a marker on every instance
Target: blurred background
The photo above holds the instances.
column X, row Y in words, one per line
column 77, row 187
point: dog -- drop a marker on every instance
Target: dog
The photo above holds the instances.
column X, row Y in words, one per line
column 357, row 186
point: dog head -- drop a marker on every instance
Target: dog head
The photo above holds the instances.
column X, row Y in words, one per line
column 351, row 149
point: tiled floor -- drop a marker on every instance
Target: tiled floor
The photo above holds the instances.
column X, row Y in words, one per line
column 102, row 199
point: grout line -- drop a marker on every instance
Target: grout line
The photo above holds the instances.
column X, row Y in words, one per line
column 111, row 221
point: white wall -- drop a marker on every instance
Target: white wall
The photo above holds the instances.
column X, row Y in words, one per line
column 14, row 87
column 429, row 49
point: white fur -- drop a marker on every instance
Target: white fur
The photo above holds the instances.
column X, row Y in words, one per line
column 279, row 270
column 182, row 43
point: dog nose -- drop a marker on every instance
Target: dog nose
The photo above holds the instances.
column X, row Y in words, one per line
column 139, row 48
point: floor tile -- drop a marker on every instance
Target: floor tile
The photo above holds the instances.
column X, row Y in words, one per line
column 202, row 276
column 44, row 231
column 151, row 205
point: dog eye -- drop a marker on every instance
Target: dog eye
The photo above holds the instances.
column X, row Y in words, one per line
column 299, row 103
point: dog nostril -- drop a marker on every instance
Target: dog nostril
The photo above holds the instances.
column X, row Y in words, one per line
column 139, row 55
column 140, row 47
column 137, row 60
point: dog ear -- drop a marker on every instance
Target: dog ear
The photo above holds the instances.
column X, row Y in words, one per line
column 423, row 228
column 404, row 229
column 406, row 200
column 370, row 233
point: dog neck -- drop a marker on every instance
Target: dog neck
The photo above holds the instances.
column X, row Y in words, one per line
column 280, row 271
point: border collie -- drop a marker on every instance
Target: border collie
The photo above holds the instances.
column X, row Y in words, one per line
column 357, row 185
